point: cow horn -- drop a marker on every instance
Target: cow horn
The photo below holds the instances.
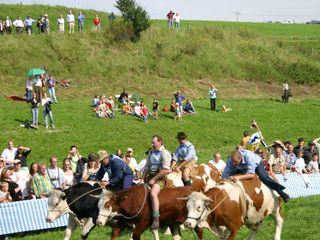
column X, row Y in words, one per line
column 185, row 198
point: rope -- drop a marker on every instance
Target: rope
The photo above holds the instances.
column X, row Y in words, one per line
column 143, row 203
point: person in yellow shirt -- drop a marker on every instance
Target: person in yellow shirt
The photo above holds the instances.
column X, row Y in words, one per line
column 126, row 109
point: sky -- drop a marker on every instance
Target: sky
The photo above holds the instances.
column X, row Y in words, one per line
column 223, row 10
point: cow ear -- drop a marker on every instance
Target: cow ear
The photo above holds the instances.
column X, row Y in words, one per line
column 122, row 198
column 208, row 201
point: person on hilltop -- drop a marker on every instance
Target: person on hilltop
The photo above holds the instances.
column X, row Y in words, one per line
column 97, row 23
column 184, row 158
column 34, row 103
column 8, row 25
column 60, row 23
column 213, row 95
column 155, row 108
column 111, row 17
column 28, row 22
column 51, row 88
column 47, row 110
column 170, row 19
column 19, row 25
column 81, row 19
column 70, row 21
column 177, row 20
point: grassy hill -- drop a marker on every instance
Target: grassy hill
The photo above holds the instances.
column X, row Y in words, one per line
column 243, row 59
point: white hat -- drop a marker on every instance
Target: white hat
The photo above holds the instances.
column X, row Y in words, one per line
column 129, row 150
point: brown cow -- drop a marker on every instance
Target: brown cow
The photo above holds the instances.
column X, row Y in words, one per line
column 135, row 206
column 228, row 206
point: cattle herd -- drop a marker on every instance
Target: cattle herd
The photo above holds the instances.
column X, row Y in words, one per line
column 220, row 206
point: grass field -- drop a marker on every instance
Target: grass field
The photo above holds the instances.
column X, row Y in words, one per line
column 209, row 131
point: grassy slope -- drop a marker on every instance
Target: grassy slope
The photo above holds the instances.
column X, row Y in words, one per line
column 255, row 54
column 209, row 131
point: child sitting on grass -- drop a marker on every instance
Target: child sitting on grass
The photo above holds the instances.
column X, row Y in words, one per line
column 4, row 193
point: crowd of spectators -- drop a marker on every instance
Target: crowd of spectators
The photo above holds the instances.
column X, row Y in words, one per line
column 134, row 106
column 43, row 23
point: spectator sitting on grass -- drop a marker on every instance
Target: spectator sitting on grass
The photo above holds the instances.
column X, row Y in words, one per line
column 95, row 101
column 14, row 189
column 313, row 166
column 137, row 110
column 109, row 112
column 110, row 103
column 9, row 153
column 4, row 193
column 2, row 164
column 20, row 177
column 188, row 108
column 173, row 106
column 225, row 109
column 34, row 167
column 101, row 111
column 126, row 109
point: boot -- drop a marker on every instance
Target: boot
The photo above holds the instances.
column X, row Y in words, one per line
column 187, row 183
column 155, row 223
column 285, row 197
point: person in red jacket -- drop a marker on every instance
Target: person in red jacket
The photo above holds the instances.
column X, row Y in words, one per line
column 97, row 23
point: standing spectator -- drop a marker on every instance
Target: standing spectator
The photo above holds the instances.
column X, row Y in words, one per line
column 178, row 113
column 277, row 162
column 155, row 109
column 4, row 193
column 19, row 25
column 9, row 153
column 317, row 145
column 144, row 112
column 34, row 111
column 55, row 174
column 38, row 87
column 70, row 21
column 120, row 174
column 307, row 154
column 290, row 157
column 51, row 88
column 67, row 173
column 176, row 20
column 170, row 19
column 124, row 97
column 20, row 177
column 41, row 184
column 47, row 110
column 90, row 171
column 39, row 24
column 130, row 160
column 213, row 95
column 80, row 22
column 2, row 28
column 179, row 99
column 60, row 23
column 245, row 139
column 14, row 189
column 46, row 23
column 22, row 155
column 218, row 162
column 313, row 166
column 2, row 164
column 111, row 18
column 300, row 146
column 28, row 22
column 77, row 163
column 97, row 23
column 8, row 25
column 29, row 84
column 34, row 167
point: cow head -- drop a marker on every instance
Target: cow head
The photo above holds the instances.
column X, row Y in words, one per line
column 198, row 209
column 57, row 205
column 105, row 205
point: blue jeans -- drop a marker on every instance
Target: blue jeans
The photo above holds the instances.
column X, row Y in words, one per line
column 45, row 116
column 80, row 26
column 29, row 95
column 35, row 114
column 52, row 93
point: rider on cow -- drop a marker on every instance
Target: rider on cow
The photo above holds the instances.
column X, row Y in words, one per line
column 157, row 167
column 247, row 163
column 120, row 175
column 184, row 158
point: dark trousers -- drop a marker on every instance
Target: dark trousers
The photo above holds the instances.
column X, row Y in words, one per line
column 267, row 180
column 213, row 104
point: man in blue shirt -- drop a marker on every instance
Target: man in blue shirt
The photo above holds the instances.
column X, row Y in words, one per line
column 80, row 22
column 246, row 164
column 184, row 158
column 120, row 174
column 28, row 23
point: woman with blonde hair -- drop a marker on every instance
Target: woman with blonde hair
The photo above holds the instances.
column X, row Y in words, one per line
column 68, row 174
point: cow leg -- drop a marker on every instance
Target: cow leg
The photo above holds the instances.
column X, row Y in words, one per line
column 140, row 228
column 116, row 231
column 71, row 226
column 87, row 228
column 168, row 231
column 199, row 232
column 175, row 230
column 279, row 222
column 254, row 229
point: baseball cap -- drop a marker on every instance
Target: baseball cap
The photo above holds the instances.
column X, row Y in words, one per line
column 129, row 150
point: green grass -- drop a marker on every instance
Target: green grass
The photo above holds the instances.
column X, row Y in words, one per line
column 163, row 60
column 209, row 131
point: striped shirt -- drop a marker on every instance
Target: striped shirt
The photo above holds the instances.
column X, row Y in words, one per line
column 41, row 184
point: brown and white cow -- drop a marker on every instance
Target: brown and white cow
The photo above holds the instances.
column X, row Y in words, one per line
column 228, row 206
column 135, row 206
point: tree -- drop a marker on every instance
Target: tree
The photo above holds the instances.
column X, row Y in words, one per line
column 135, row 16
